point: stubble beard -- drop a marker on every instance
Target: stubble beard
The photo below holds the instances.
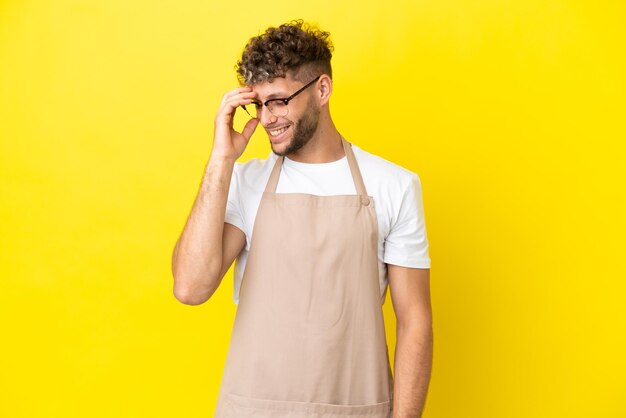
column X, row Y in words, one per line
column 304, row 129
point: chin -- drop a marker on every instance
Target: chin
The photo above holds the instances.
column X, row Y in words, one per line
column 279, row 149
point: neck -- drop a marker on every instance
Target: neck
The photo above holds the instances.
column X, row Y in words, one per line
column 324, row 146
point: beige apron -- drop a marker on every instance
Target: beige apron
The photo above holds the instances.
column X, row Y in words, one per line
column 309, row 338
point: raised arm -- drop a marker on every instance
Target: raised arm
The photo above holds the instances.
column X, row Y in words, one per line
column 207, row 246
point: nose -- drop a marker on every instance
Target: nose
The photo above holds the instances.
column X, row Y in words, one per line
column 266, row 117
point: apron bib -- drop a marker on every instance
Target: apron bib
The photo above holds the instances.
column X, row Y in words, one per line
column 308, row 338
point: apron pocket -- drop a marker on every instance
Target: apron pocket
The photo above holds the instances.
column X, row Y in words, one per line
column 238, row 406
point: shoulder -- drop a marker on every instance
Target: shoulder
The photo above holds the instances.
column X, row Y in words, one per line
column 384, row 172
column 254, row 170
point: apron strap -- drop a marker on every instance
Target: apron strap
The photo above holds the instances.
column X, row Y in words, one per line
column 273, row 181
column 354, row 170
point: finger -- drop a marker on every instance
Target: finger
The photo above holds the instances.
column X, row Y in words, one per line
column 238, row 100
column 229, row 107
column 248, row 130
column 235, row 92
column 242, row 96
column 232, row 97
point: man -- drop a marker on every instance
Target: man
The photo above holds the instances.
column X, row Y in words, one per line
column 319, row 229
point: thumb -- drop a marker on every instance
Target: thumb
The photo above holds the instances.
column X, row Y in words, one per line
column 249, row 129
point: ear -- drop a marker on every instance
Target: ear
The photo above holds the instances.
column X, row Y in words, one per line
column 325, row 89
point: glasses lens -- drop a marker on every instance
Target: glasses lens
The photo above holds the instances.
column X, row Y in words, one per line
column 278, row 107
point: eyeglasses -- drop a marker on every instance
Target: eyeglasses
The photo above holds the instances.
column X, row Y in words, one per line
column 277, row 107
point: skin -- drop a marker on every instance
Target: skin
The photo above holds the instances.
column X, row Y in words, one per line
column 410, row 296
column 208, row 246
column 303, row 130
column 324, row 143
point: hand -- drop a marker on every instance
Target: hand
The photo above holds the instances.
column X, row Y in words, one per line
column 228, row 143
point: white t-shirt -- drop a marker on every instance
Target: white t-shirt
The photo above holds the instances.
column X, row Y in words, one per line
column 397, row 194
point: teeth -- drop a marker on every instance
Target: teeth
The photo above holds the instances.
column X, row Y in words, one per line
column 277, row 132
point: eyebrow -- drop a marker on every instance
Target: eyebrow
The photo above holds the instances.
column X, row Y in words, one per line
column 276, row 96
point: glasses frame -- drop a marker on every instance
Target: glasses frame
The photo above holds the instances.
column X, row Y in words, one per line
column 285, row 101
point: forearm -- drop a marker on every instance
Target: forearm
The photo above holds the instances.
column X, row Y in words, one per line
column 197, row 257
column 412, row 368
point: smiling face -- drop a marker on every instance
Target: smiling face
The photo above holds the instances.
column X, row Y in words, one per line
column 289, row 133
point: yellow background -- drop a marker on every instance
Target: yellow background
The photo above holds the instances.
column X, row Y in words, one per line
column 511, row 112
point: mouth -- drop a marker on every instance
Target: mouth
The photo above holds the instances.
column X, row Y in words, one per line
column 278, row 134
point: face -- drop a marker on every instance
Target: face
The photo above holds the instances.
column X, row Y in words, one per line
column 289, row 133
